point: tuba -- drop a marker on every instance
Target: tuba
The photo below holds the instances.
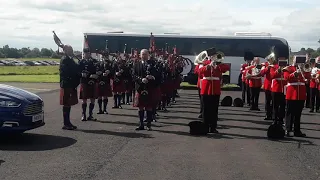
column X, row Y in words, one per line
column 204, row 55
column 271, row 58
column 219, row 57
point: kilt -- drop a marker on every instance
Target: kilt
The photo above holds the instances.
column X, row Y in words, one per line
column 128, row 86
column 167, row 87
column 104, row 90
column 150, row 101
column 118, row 87
column 68, row 96
column 88, row 91
column 157, row 94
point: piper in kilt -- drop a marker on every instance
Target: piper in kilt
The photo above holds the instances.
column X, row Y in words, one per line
column 88, row 68
column 128, row 84
column 118, row 86
column 104, row 87
column 146, row 80
column 69, row 81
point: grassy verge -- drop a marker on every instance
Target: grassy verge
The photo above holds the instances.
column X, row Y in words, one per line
column 30, row 78
column 29, row 70
column 31, row 59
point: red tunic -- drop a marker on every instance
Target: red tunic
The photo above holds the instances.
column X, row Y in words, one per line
column 254, row 82
column 278, row 82
column 267, row 80
column 296, row 89
column 211, row 81
column 243, row 72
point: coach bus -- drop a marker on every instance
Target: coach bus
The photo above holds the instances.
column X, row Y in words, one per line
column 189, row 46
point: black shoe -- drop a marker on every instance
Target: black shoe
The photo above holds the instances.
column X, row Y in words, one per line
column 105, row 112
column 115, row 107
column 299, row 134
column 127, row 103
column 69, row 127
column 267, row 118
column 200, row 116
column 90, row 118
column 100, row 112
column 311, row 111
column 139, row 128
column 212, row 130
column 149, row 128
column 84, row 118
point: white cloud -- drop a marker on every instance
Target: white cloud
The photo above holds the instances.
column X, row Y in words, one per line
column 29, row 23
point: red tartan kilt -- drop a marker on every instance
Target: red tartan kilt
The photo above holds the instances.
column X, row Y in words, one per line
column 129, row 86
column 88, row 91
column 104, row 90
column 118, row 87
column 68, row 96
column 149, row 103
column 167, row 87
column 157, row 94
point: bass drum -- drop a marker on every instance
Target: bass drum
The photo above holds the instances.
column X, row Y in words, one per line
column 188, row 68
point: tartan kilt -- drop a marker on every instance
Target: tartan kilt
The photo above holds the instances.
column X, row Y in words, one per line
column 129, row 86
column 104, row 90
column 118, row 87
column 68, row 96
column 167, row 87
column 150, row 101
column 157, row 94
column 88, row 91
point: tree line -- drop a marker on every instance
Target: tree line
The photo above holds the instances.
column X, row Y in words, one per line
column 27, row 52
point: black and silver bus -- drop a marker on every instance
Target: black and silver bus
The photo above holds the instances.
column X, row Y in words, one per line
column 233, row 47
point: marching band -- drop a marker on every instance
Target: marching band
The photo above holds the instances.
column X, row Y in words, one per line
column 150, row 80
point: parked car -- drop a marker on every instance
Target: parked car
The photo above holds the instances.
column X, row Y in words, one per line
column 20, row 110
column 30, row 63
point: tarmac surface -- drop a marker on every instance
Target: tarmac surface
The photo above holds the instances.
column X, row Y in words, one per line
column 110, row 148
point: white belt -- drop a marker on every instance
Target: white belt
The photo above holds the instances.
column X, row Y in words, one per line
column 278, row 79
column 211, row 78
column 296, row 84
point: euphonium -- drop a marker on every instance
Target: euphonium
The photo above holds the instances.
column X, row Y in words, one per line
column 219, row 57
column 307, row 67
column 201, row 57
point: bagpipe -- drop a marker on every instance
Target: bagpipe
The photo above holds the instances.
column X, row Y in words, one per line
column 60, row 44
column 168, row 56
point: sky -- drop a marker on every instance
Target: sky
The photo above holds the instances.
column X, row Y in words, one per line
column 29, row 23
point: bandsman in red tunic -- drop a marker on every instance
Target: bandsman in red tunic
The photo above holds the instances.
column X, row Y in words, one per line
column 147, row 79
column 265, row 72
column 295, row 96
column 88, row 88
column 69, row 81
column 255, row 83
column 211, row 90
column 278, row 84
column 314, row 93
column 196, row 71
column 248, row 57
column 104, row 86
column 118, row 84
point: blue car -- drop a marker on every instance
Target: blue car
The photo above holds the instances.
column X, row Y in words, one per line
column 20, row 110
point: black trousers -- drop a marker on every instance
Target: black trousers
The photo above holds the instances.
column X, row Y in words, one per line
column 245, row 90
column 268, row 103
column 315, row 98
column 201, row 103
column 255, row 93
column 210, row 110
column 279, row 105
column 293, row 114
column 308, row 96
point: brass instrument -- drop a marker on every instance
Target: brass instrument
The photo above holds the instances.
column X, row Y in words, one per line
column 201, row 57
